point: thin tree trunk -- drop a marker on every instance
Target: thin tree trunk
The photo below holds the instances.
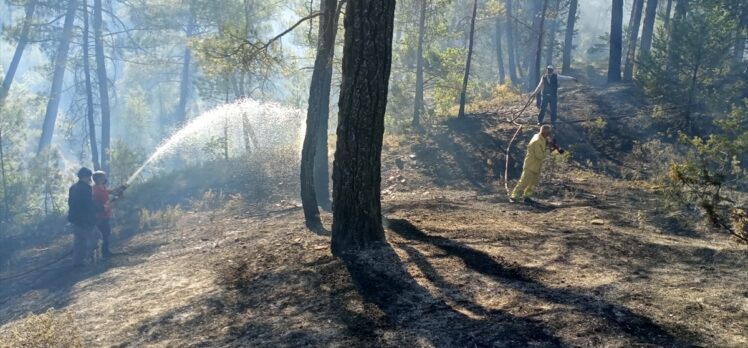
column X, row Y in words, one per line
column 463, row 93
column 741, row 34
column 186, row 83
column 103, row 86
column 319, row 100
column 510, row 42
column 418, row 104
column 535, row 74
column 648, row 29
column 666, row 19
column 681, row 8
column 616, row 42
column 5, row 180
column 552, row 34
column 636, row 18
column 691, row 92
column 321, row 158
column 23, row 40
column 500, row 52
column 569, row 37
column 367, row 58
column 89, row 90
column 60, row 64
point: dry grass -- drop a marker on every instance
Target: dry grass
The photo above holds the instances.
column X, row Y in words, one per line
column 166, row 218
column 51, row 329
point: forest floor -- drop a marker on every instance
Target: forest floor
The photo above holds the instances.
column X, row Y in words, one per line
column 597, row 261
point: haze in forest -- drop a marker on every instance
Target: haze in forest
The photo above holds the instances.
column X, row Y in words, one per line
column 419, row 173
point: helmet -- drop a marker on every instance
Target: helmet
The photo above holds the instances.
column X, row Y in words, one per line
column 84, row 173
column 549, row 67
column 98, row 175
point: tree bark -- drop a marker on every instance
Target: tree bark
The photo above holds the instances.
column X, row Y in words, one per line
column 463, row 93
column 89, row 90
column 741, row 34
column 317, row 112
column 321, row 158
column 616, row 42
column 634, row 23
column 648, row 29
column 103, row 86
column 418, row 104
column 552, row 34
column 510, row 42
column 569, row 37
column 367, row 58
column 535, row 73
column 681, row 8
column 6, row 203
column 186, row 82
column 666, row 19
column 23, row 40
column 60, row 65
column 500, row 52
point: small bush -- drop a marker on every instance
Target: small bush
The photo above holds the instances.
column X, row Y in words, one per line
column 51, row 329
column 209, row 200
column 713, row 176
column 165, row 218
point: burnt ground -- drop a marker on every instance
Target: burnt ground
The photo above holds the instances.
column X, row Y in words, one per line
column 598, row 261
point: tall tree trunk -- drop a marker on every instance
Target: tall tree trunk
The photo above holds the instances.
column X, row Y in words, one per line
column 367, row 58
column 636, row 18
column 666, row 17
column 60, row 64
column 321, row 158
column 418, row 104
column 553, row 28
column 103, row 86
column 463, row 93
column 681, row 8
column 23, row 40
column 569, row 37
column 185, row 85
column 741, row 34
column 510, row 42
column 6, row 204
column 616, row 42
column 317, row 113
column 89, row 90
column 500, row 52
column 535, row 73
column 648, row 29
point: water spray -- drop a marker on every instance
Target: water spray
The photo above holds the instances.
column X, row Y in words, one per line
column 272, row 124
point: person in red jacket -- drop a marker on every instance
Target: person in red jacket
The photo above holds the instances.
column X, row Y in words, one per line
column 104, row 208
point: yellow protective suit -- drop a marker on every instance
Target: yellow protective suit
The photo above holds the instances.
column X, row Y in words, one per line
column 536, row 151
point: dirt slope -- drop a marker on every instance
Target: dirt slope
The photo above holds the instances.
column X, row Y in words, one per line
column 597, row 262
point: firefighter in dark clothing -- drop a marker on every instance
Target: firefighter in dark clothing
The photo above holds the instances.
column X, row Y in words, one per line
column 82, row 215
column 548, row 90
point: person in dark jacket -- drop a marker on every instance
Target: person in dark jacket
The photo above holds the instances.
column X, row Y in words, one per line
column 548, row 89
column 82, row 215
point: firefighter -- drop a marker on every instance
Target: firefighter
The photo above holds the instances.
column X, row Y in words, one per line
column 547, row 93
column 538, row 148
column 104, row 208
column 82, row 216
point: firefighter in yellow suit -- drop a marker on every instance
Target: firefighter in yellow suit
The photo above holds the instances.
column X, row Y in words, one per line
column 537, row 150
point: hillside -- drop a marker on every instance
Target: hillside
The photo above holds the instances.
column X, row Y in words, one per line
column 598, row 261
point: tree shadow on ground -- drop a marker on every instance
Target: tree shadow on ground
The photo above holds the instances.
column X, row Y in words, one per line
column 383, row 281
column 57, row 282
column 618, row 318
